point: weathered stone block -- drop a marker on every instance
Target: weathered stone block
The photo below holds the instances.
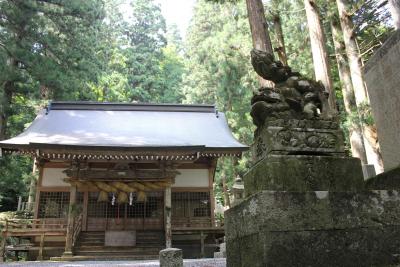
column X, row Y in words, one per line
column 120, row 238
column 342, row 247
column 314, row 229
column 304, row 173
column 171, row 257
column 298, row 137
column 383, row 79
column 220, row 254
column 385, row 181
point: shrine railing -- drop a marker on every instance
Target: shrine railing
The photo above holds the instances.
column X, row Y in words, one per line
column 191, row 222
column 15, row 227
column 31, row 228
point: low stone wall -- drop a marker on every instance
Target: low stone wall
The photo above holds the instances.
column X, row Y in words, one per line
column 383, row 83
column 321, row 228
column 385, row 180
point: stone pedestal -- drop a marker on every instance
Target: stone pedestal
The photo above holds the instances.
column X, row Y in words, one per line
column 304, row 173
column 171, row 257
column 321, row 228
column 298, row 136
column 306, row 210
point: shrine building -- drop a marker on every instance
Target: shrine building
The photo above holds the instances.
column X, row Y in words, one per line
column 120, row 180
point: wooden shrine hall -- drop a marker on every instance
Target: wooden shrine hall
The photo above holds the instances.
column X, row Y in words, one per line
column 119, row 181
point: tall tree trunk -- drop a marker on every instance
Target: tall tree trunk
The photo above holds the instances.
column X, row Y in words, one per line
column 3, row 121
column 370, row 139
column 259, row 30
column 355, row 130
column 32, row 186
column 8, row 87
column 280, row 49
column 394, row 7
column 6, row 97
column 319, row 52
column 227, row 200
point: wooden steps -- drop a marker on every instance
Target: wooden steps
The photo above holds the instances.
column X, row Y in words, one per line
column 90, row 246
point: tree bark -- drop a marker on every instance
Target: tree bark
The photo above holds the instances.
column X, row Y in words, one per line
column 370, row 140
column 319, row 52
column 32, row 186
column 8, row 89
column 394, row 7
column 280, row 49
column 352, row 53
column 259, row 31
column 355, row 130
column 227, row 200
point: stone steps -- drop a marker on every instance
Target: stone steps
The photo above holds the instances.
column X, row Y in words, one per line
column 105, row 252
column 106, row 258
column 90, row 246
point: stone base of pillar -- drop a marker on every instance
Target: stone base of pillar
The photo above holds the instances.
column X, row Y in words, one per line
column 67, row 254
column 171, row 257
column 222, row 251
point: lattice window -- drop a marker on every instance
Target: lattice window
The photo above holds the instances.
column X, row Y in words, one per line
column 191, row 204
column 151, row 208
column 136, row 210
column 154, row 205
column 53, row 204
column 96, row 209
column 79, row 198
column 116, row 210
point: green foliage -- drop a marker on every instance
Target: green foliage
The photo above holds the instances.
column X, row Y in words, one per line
column 146, row 38
column 372, row 25
column 217, row 53
column 295, row 31
column 15, row 177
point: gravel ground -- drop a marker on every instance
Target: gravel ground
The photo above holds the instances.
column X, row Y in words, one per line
column 186, row 263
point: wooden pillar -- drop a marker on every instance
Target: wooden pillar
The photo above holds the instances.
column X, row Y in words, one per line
column 202, row 238
column 71, row 222
column 32, row 186
column 40, row 255
column 211, row 173
column 38, row 185
column 167, row 212
column 85, row 210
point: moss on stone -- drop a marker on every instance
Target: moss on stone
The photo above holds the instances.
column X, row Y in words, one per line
column 387, row 180
column 304, row 173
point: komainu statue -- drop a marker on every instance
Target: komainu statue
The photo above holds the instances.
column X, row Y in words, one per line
column 293, row 117
column 305, row 201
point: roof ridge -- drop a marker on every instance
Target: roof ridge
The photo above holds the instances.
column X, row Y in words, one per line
column 89, row 105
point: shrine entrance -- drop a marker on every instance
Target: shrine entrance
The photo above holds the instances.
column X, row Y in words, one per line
column 134, row 215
